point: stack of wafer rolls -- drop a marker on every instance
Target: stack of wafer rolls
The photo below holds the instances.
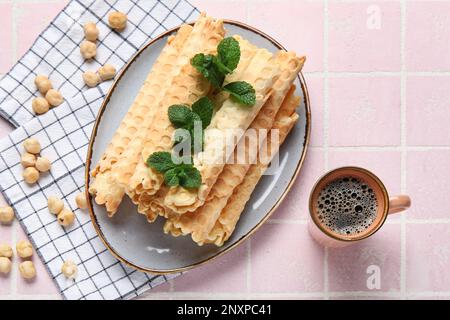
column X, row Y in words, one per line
column 230, row 163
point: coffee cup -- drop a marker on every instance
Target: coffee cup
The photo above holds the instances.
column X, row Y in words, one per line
column 350, row 204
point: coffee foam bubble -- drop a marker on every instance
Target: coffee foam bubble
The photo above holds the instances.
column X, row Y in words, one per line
column 347, row 206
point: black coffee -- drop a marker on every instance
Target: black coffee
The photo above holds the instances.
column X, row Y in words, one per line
column 347, row 206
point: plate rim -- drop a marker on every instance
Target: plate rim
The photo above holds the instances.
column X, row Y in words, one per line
column 241, row 240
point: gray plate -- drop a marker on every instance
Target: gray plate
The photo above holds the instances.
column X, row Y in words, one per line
column 144, row 246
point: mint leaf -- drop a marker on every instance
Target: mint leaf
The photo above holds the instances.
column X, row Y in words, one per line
column 160, row 161
column 180, row 116
column 205, row 65
column 171, row 177
column 204, row 107
column 229, row 53
column 190, row 177
column 242, row 92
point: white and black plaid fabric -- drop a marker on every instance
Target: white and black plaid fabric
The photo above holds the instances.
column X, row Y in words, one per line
column 64, row 134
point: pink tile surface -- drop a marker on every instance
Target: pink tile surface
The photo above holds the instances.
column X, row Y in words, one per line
column 428, row 258
column 428, row 110
column 427, row 28
column 295, row 205
column 364, row 111
column 356, row 267
column 42, row 284
column 6, row 49
column 32, row 19
column 226, row 274
column 428, row 184
column 285, row 259
column 298, row 25
column 364, row 36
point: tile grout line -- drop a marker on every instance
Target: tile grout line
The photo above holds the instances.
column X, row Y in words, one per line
column 403, row 147
column 325, row 127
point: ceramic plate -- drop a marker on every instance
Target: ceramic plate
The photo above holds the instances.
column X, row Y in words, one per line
column 144, row 246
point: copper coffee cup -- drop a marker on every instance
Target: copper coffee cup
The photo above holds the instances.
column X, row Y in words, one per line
column 384, row 205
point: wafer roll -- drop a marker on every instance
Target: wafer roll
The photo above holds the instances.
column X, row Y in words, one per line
column 289, row 65
column 186, row 88
column 135, row 124
column 229, row 216
column 202, row 221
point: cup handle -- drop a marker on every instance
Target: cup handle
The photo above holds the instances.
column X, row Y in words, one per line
column 399, row 203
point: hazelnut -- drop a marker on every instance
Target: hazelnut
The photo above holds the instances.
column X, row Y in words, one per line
column 117, row 20
column 91, row 79
column 30, row 175
column 5, row 265
column 5, row 250
column 43, row 84
column 27, row 270
column 6, row 215
column 66, row 217
column 32, row 145
column 80, row 199
column 43, row 164
column 69, row 269
column 90, row 31
column 88, row 49
column 40, row 105
column 107, row 72
column 24, row 249
column 54, row 97
column 28, row 160
column 55, row 205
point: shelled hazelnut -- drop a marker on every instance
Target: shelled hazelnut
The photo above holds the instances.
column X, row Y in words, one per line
column 24, row 249
column 117, row 20
column 27, row 270
column 43, row 84
column 91, row 31
column 6, row 215
column 88, row 49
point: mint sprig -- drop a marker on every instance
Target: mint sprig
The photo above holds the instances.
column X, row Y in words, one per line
column 181, row 172
column 215, row 68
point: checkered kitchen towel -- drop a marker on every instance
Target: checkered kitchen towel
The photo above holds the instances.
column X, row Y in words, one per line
column 64, row 135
